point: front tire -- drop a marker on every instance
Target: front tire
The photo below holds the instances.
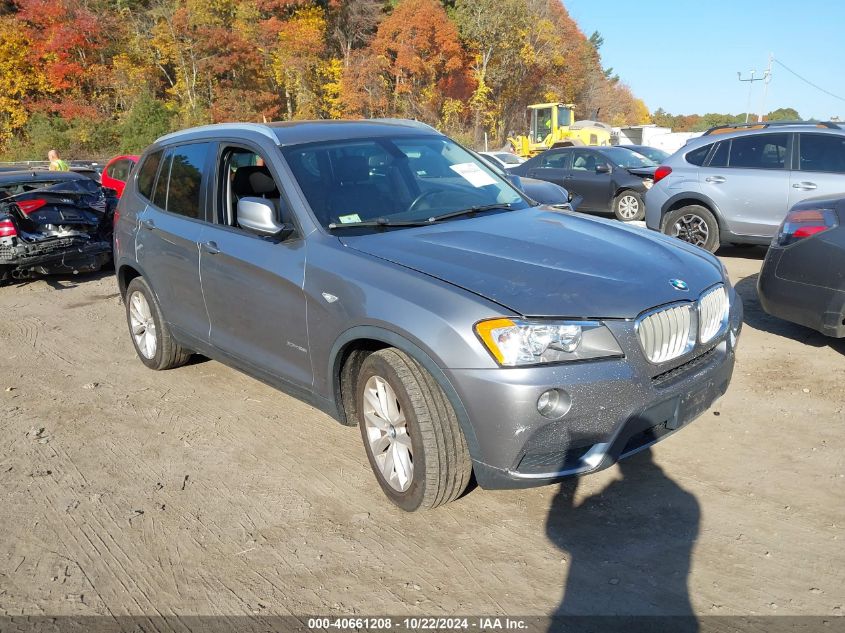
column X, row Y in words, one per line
column 694, row 224
column 150, row 334
column 411, row 434
column 628, row 206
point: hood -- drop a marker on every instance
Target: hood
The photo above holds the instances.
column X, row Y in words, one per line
column 540, row 262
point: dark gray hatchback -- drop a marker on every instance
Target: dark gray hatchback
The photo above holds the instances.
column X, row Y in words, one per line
column 803, row 276
column 381, row 272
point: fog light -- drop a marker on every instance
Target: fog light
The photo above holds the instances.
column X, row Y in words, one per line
column 554, row 403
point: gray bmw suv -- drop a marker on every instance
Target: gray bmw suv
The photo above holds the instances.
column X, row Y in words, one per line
column 736, row 183
column 385, row 275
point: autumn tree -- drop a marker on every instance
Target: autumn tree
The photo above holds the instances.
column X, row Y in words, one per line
column 19, row 80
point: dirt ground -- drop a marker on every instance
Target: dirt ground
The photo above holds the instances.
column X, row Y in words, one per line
column 200, row 491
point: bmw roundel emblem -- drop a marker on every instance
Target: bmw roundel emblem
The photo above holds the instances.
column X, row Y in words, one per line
column 679, row 284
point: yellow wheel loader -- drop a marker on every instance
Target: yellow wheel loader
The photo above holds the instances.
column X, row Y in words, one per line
column 554, row 125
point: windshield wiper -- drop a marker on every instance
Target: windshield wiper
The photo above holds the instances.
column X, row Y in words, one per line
column 472, row 211
column 378, row 222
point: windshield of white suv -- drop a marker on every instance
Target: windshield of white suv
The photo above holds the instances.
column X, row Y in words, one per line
column 627, row 158
column 396, row 181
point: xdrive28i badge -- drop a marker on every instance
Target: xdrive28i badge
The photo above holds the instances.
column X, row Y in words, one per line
column 679, row 284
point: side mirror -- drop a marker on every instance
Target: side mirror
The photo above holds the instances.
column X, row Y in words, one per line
column 602, row 169
column 258, row 215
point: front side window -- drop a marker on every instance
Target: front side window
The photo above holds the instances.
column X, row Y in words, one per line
column 147, row 174
column 406, row 179
column 822, row 152
column 760, row 151
column 583, row 160
column 244, row 174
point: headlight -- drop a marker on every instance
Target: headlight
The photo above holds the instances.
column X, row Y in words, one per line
column 514, row 342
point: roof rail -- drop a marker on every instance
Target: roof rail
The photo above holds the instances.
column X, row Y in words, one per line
column 759, row 125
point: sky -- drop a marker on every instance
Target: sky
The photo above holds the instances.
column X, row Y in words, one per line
column 683, row 55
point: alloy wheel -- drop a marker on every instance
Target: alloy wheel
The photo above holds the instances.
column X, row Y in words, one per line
column 387, row 434
column 692, row 228
column 143, row 325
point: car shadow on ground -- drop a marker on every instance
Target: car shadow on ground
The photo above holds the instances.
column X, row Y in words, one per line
column 743, row 251
column 758, row 319
column 627, row 550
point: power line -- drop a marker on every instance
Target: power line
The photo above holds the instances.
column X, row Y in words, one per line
column 807, row 81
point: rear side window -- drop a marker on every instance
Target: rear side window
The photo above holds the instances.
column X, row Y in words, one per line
column 822, row 152
column 698, row 156
column 120, row 170
column 147, row 175
column 159, row 197
column 720, row 156
column 186, row 171
column 555, row 160
column 760, row 151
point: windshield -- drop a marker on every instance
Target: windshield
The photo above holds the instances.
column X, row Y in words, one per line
column 407, row 179
column 657, row 155
column 509, row 159
column 627, row 158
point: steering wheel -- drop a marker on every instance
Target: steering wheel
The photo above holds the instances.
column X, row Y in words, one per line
column 421, row 197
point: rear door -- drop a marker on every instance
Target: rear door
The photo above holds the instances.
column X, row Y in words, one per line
column 820, row 167
column 167, row 242
column 253, row 284
column 595, row 187
column 552, row 166
column 748, row 179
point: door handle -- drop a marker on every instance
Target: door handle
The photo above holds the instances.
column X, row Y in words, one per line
column 210, row 248
column 715, row 179
column 806, row 186
column 148, row 224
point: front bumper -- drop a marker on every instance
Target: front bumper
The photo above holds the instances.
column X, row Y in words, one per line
column 619, row 407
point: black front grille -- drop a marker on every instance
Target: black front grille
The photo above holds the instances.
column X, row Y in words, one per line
column 680, row 371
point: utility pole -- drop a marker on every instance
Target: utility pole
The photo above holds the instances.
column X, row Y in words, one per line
column 767, row 77
column 750, row 81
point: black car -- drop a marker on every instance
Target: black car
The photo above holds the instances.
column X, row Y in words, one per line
column 606, row 178
column 53, row 222
column 803, row 276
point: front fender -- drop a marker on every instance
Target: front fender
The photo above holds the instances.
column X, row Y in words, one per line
column 394, row 339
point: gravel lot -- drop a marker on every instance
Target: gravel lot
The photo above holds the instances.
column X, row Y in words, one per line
column 200, row 491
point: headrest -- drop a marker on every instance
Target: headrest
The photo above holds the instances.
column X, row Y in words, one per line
column 353, row 169
column 254, row 180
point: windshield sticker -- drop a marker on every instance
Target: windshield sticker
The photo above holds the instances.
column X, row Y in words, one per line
column 473, row 174
column 348, row 219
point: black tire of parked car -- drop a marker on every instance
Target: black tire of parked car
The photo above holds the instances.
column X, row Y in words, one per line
column 441, row 461
column 691, row 216
column 630, row 197
column 169, row 353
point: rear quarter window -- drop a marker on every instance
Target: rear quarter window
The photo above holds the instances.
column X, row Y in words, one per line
column 698, row 156
column 147, row 174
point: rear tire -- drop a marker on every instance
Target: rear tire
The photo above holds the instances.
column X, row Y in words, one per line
column 628, row 206
column 411, row 434
column 694, row 224
column 151, row 336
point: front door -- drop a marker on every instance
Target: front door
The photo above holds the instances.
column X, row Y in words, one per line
column 253, row 284
column 821, row 167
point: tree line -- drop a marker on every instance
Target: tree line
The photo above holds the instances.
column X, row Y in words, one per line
column 702, row 122
column 97, row 77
